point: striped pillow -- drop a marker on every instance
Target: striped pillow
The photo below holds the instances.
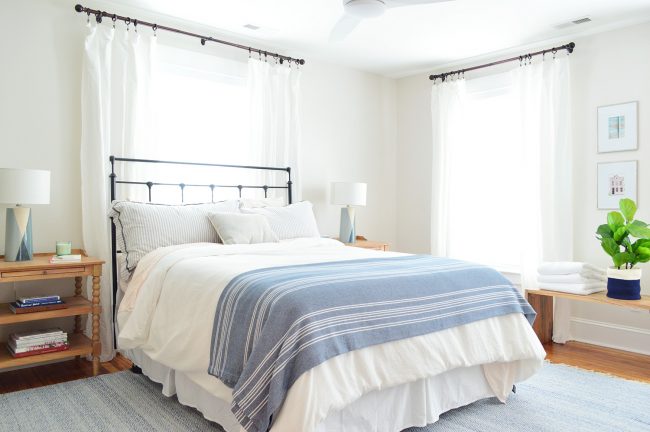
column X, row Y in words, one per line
column 292, row 221
column 142, row 227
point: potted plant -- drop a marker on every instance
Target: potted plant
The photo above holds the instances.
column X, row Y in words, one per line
column 623, row 279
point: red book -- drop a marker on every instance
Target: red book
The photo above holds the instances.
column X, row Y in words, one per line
column 41, row 351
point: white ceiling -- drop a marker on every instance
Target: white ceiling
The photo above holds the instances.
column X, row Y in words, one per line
column 404, row 40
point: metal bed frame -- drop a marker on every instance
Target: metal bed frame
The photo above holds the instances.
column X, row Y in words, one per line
column 150, row 184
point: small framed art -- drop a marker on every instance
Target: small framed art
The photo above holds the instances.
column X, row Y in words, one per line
column 617, row 127
column 616, row 180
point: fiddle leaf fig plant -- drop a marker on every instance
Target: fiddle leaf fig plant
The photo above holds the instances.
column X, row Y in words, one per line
column 616, row 236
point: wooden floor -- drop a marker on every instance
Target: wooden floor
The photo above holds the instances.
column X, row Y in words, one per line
column 623, row 364
column 55, row 373
column 614, row 362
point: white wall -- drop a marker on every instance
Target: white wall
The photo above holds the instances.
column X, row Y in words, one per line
column 607, row 68
column 348, row 125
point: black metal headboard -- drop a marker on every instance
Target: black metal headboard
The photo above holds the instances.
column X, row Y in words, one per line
column 150, row 184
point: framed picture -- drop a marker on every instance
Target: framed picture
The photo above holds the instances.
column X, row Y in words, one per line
column 616, row 180
column 617, row 127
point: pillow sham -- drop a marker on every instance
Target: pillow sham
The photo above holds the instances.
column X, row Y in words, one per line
column 238, row 228
column 292, row 221
column 143, row 227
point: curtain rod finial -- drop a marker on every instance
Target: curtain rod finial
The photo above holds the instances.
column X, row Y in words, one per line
column 79, row 8
column 571, row 46
column 301, row 61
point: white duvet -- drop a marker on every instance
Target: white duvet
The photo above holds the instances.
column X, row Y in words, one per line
column 169, row 305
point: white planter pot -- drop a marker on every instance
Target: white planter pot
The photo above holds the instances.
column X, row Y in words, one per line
column 624, row 284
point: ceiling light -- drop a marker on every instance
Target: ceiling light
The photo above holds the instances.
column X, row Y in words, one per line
column 251, row 27
column 365, row 8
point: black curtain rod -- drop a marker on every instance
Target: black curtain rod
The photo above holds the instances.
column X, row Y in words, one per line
column 569, row 47
column 136, row 22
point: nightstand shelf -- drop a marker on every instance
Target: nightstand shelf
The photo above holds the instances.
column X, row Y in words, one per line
column 76, row 306
column 80, row 345
column 40, row 268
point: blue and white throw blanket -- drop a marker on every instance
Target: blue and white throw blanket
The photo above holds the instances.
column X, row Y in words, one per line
column 273, row 324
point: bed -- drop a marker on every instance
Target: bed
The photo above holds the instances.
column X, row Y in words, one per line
column 171, row 323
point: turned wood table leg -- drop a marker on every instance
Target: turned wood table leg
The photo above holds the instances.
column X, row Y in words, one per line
column 543, row 325
column 77, row 293
column 97, row 271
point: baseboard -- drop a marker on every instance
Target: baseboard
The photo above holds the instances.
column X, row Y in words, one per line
column 626, row 338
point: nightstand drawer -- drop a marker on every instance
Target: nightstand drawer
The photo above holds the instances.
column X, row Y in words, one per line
column 44, row 272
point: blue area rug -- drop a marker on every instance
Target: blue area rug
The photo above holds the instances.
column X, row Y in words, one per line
column 557, row 399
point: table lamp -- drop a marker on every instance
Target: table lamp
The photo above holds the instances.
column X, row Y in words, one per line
column 22, row 186
column 348, row 195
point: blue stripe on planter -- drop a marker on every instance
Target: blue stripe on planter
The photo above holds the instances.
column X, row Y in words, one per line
column 624, row 289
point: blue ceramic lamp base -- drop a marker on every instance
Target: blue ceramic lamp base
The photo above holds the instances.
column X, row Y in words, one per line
column 18, row 234
column 347, row 232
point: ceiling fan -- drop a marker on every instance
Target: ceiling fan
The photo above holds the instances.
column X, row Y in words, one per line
column 356, row 10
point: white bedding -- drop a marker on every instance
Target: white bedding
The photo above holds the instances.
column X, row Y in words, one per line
column 168, row 311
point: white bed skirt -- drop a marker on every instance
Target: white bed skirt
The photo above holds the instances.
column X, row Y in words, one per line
column 388, row 410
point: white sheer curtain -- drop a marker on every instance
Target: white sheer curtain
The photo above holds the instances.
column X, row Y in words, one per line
column 115, row 100
column 275, row 123
column 540, row 121
column 543, row 90
column 447, row 116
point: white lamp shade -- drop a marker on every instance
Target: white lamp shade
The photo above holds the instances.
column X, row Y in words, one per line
column 349, row 194
column 24, row 186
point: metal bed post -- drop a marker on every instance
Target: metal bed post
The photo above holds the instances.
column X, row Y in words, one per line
column 150, row 184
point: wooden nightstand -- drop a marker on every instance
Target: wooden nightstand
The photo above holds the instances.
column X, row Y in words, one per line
column 40, row 269
column 364, row 243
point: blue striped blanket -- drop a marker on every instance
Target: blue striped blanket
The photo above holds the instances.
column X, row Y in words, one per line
column 271, row 325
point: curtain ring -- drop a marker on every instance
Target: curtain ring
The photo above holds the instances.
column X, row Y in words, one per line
column 249, row 52
column 554, row 52
column 155, row 27
column 98, row 17
column 114, row 18
column 128, row 23
column 87, row 17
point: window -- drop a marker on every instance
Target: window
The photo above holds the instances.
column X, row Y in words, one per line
column 485, row 186
column 200, row 113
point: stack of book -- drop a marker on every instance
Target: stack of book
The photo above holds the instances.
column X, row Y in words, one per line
column 37, row 304
column 37, row 342
column 65, row 259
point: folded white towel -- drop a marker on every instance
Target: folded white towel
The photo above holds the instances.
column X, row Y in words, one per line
column 565, row 268
column 576, row 278
column 580, row 289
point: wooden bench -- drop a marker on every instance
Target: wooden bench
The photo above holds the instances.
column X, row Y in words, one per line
column 542, row 302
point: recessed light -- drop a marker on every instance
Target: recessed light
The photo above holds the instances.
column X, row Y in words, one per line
column 251, row 26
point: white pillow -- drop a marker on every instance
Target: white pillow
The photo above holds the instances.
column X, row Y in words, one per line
column 143, row 227
column 237, row 228
column 292, row 221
